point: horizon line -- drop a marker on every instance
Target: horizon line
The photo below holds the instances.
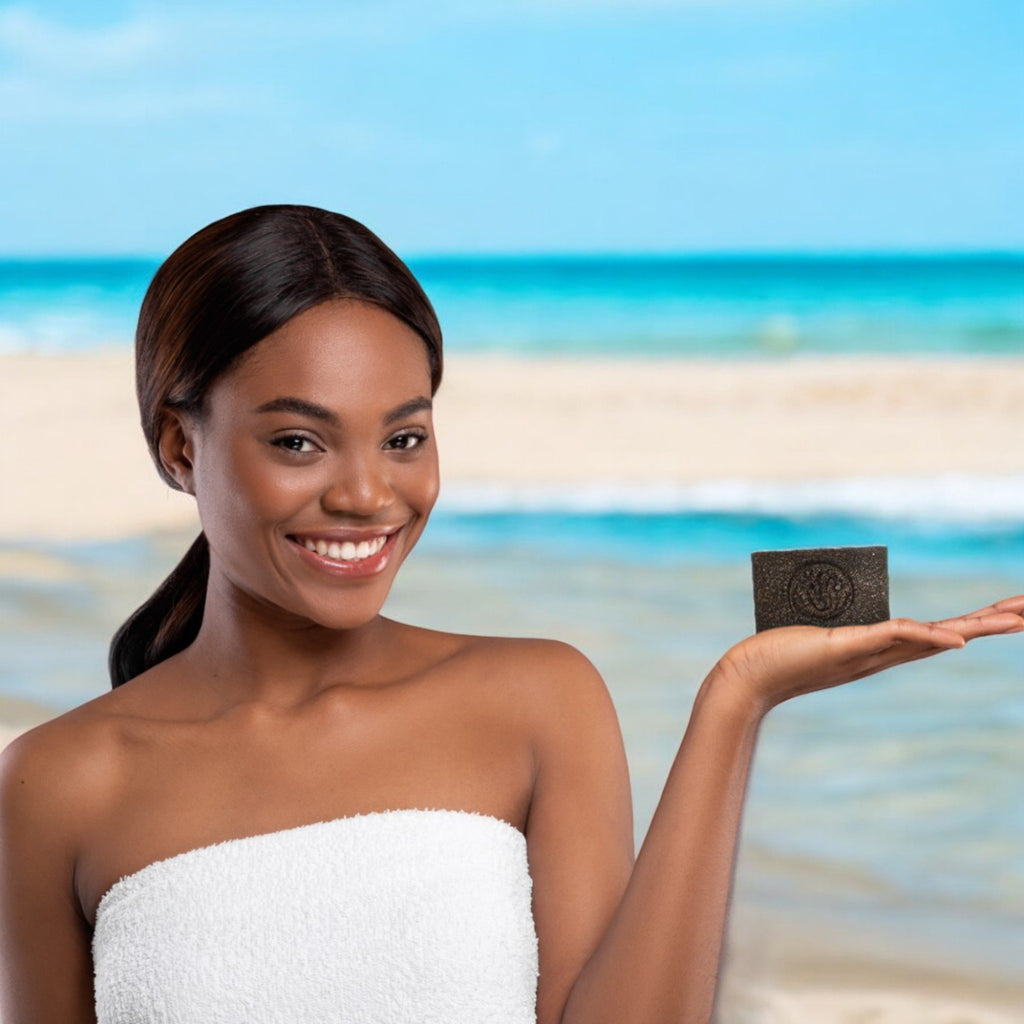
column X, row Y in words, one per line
column 514, row 255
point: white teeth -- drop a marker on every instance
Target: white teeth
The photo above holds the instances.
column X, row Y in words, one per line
column 347, row 551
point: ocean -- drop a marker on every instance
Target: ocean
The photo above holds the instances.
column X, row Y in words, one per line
column 714, row 306
column 891, row 805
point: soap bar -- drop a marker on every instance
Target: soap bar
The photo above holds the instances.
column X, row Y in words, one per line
column 820, row 587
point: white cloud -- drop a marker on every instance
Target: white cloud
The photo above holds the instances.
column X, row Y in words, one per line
column 544, row 143
column 35, row 42
column 772, row 69
column 27, row 101
column 476, row 10
column 152, row 65
column 107, row 74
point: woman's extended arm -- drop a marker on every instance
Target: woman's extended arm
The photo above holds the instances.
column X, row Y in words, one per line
column 658, row 958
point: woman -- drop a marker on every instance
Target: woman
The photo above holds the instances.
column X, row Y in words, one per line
column 292, row 808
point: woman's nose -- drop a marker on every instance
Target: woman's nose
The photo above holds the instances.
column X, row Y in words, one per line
column 359, row 486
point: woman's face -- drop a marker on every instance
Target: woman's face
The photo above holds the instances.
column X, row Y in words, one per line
column 314, row 464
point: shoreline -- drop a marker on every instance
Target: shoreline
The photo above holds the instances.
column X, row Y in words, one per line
column 543, row 424
column 807, row 966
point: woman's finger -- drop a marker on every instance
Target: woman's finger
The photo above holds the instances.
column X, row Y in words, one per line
column 985, row 622
column 905, row 640
column 1008, row 604
column 883, row 636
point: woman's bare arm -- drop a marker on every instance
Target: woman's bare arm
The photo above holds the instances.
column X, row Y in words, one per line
column 658, row 958
column 45, row 959
column 580, row 826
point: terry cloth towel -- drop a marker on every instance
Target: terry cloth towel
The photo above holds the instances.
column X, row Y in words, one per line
column 397, row 917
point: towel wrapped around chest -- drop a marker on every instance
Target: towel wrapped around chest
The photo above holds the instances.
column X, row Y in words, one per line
column 397, row 917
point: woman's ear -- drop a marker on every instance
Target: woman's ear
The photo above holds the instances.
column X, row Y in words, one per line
column 177, row 447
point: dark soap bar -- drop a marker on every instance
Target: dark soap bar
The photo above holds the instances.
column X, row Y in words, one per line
column 820, row 587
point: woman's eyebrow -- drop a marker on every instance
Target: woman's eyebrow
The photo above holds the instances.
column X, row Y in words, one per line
column 409, row 408
column 302, row 407
column 299, row 406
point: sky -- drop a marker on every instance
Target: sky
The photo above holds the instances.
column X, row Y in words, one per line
column 531, row 126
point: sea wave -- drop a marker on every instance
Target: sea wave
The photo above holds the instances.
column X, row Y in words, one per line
column 953, row 499
column 57, row 332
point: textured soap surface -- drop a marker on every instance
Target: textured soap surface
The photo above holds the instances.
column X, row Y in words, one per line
column 820, row 587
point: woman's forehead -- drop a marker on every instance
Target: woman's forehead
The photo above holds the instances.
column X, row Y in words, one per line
column 343, row 347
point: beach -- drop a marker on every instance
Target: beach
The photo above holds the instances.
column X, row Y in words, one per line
column 92, row 527
column 80, row 469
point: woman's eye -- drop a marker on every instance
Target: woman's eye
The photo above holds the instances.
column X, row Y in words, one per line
column 295, row 443
column 407, row 441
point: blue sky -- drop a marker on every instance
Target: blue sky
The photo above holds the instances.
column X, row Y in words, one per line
column 539, row 125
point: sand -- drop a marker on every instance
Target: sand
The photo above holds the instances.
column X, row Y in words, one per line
column 814, row 1004
column 76, row 462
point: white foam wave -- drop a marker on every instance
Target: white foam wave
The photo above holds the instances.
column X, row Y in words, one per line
column 955, row 499
column 56, row 334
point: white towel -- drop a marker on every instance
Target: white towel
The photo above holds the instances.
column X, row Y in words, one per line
column 397, row 917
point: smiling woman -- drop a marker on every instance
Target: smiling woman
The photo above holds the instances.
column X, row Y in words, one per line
column 290, row 807
column 232, row 285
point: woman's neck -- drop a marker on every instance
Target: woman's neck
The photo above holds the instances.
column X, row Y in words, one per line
column 248, row 651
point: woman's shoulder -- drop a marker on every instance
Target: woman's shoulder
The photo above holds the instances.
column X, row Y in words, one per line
column 529, row 657
column 550, row 676
column 554, row 668
column 58, row 769
column 534, row 650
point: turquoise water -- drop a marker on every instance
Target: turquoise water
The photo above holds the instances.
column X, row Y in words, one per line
column 630, row 305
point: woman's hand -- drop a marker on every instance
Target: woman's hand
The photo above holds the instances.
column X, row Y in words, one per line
column 772, row 666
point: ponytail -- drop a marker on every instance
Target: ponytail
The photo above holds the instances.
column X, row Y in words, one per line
column 168, row 622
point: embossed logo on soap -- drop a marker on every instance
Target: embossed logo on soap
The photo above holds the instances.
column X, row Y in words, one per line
column 820, row 591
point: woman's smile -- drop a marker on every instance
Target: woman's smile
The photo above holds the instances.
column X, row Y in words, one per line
column 347, row 553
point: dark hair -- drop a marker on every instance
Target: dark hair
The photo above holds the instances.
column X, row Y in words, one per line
column 215, row 297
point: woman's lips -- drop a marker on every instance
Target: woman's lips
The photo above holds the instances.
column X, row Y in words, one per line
column 346, row 554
